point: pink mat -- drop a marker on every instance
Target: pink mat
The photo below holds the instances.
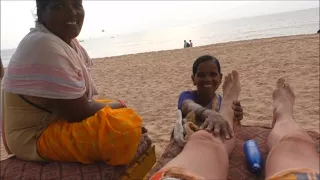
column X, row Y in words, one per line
column 14, row 168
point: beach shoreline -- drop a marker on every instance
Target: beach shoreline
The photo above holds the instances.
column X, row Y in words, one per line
column 151, row 82
column 209, row 45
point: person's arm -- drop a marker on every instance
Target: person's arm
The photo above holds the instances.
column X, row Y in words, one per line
column 1, row 69
column 186, row 104
column 201, row 112
column 213, row 122
column 191, row 105
column 74, row 110
column 115, row 105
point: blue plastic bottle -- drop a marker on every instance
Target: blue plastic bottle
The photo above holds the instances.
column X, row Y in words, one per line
column 253, row 156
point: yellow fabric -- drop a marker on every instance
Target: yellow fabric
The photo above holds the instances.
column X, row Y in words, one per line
column 111, row 135
column 296, row 174
column 141, row 166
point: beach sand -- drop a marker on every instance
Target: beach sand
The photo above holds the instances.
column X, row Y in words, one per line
column 151, row 82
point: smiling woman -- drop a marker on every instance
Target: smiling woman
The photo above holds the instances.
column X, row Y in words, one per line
column 52, row 15
column 50, row 113
column 205, row 102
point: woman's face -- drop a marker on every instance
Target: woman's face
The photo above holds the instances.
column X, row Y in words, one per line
column 64, row 18
column 207, row 78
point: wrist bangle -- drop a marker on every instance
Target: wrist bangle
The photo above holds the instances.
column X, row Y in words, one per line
column 122, row 103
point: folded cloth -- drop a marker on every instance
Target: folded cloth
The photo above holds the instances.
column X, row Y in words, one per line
column 184, row 127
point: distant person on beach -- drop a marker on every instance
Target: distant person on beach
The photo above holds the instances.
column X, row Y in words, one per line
column 186, row 44
column 293, row 154
column 191, row 44
column 50, row 113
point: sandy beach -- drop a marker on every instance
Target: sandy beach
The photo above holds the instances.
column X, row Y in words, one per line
column 151, row 82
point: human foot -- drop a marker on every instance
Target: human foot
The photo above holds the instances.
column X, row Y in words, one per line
column 283, row 99
column 231, row 86
column 231, row 91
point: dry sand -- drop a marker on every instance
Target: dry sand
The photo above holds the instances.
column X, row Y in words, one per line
column 151, row 82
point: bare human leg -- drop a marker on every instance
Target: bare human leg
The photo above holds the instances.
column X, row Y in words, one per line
column 290, row 145
column 204, row 154
column 231, row 92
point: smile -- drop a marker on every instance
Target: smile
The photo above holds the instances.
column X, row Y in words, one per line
column 207, row 86
column 71, row 23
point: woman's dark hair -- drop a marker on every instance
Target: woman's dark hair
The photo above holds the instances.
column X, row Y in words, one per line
column 41, row 5
column 202, row 59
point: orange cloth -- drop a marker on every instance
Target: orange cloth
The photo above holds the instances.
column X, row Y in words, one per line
column 111, row 135
column 297, row 174
column 175, row 173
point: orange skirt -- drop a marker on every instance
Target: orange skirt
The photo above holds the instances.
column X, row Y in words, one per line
column 111, row 135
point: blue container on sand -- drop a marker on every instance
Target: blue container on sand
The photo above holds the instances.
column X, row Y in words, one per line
column 253, row 156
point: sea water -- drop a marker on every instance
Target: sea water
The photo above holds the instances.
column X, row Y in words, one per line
column 274, row 25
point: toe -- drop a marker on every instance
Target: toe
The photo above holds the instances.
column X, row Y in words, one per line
column 225, row 80
column 280, row 83
column 235, row 74
column 288, row 87
column 229, row 77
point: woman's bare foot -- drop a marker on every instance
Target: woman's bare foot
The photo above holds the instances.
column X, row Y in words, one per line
column 231, row 87
column 283, row 98
column 231, row 91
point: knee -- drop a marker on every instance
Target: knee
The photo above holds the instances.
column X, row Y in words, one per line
column 203, row 137
column 294, row 140
column 297, row 136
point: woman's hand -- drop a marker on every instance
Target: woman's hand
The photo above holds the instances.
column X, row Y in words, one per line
column 238, row 111
column 216, row 124
column 115, row 105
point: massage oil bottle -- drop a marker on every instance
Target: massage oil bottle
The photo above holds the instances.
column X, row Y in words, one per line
column 253, row 156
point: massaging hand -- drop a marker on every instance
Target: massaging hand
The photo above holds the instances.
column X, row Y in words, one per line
column 216, row 124
column 238, row 111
